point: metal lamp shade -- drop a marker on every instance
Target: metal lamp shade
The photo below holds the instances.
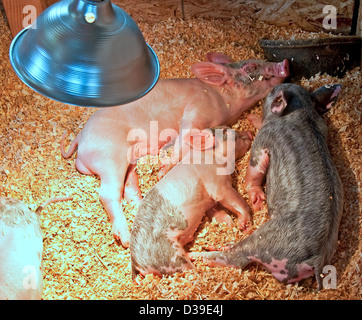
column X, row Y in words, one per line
column 85, row 53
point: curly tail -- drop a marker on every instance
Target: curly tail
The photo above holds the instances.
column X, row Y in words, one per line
column 72, row 147
column 56, row 199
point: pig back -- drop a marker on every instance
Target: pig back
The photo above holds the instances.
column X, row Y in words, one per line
column 21, row 249
column 303, row 184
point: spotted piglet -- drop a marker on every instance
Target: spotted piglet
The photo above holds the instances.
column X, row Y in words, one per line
column 303, row 190
column 172, row 210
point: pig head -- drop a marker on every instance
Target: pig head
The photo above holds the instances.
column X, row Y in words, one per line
column 114, row 138
column 251, row 79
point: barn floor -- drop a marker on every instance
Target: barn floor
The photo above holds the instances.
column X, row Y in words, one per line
column 81, row 258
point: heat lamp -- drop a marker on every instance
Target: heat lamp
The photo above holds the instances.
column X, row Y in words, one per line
column 87, row 53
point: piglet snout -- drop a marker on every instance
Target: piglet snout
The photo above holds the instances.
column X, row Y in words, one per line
column 280, row 70
column 283, row 68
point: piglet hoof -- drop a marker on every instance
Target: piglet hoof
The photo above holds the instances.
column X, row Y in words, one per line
column 120, row 241
column 248, row 229
column 257, row 197
column 121, row 237
column 125, row 243
column 244, row 224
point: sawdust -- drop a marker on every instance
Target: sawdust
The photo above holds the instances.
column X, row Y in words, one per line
column 81, row 258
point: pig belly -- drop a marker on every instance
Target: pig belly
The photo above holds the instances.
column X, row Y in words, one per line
column 21, row 275
column 187, row 235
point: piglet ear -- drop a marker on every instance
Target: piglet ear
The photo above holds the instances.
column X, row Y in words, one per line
column 210, row 73
column 325, row 97
column 218, row 57
column 200, row 139
column 279, row 103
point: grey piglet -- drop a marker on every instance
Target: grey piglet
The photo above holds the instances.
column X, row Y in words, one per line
column 303, row 189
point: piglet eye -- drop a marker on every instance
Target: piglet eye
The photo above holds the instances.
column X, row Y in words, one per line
column 250, row 67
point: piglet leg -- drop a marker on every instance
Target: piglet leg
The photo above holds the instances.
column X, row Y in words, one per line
column 233, row 201
column 110, row 193
column 132, row 191
column 254, row 178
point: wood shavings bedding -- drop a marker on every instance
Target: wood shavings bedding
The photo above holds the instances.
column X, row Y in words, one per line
column 81, row 258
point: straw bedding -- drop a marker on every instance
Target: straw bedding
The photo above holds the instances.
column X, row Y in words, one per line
column 81, row 258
